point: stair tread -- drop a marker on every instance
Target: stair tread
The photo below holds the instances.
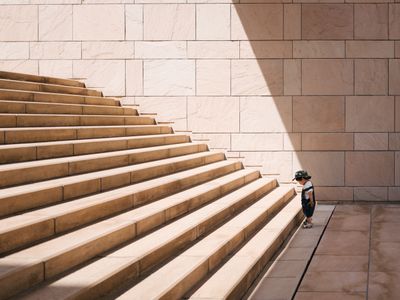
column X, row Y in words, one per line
column 39, row 78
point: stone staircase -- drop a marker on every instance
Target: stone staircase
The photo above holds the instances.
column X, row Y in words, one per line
column 98, row 201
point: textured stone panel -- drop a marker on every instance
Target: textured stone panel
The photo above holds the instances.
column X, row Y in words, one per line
column 394, row 193
column 56, row 68
column 265, row 49
column 98, row 22
column 214, row 49
column 213, row 77
column 252, row 77
column 169, row 77
column 318, row 49
column 327, row 141
column 292, row 22
column 380, row 165
column 55, row 22
column 169, row 22
column 370, row 193
column 55, row 50
column 257, row 22
column 98, row 76
column 214, row 140
column 134, row 22
column 397, row 114
column 371, row 77
column 134, row 77
column 369, row 49
column 318, row 114
column 327, row 77
column 292, row 77
column 397, row 49
column 371, row 141
column 334, row 193
column 18, row 23
column 107, row 50
column 326, row 168
column 14, row 50
column 371, row 21
column 213, row 22
column 292, row 141
column 169, row 49
column 22, row 66
column 394, row 21
column 266, row 114
column 370, row 114
column 171, row 109
column 213, row 114
column 56, row 1
column 394, row 138
column 257, row 142
column 394, row 77
column 327, row 21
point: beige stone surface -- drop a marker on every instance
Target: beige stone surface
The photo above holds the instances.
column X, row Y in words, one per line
column 371, row 141
column 318, row 49
column 384, row 284
column 55, row 50
column 107, row 50
column 371, row 21
column 335, row 193
column 333, row 263
column 327, row 21
column 98, row 22
column 292, row 22
column 213, row 77
column 360, row 163
column 394, row 77
column 369, row 49
column 57, row 68
column 213, row 22
column 394, row 21
column 327, row 141
column 397, row 49
column 213, row 49
column 276, row 164
column 327, row 77
column 292, row 77
column 371, row 77
column 327, row 114
column 252, row 77
column 18, row 23
column 24, row 66
column 362, row 114
column 341, row 243
column 55, row 22
column 265, row 49
column 329, row 296
column 292, row 141
column 134, row 22
column 155, row 50
column 14, row 50
column 370, row 194
column 134, row 77
column 257, row 142
column 169, row 22
column 257, row 22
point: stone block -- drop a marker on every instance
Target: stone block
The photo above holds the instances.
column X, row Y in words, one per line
column 394, row 77
column 134, row 77
column 213, row 49
column 213, row 114
column 169, row 77
column 14, row 50
column 360, row 164
column 55, row 50
column 327, row 77
column 22, row 66
column 134, row 22
column 252, row 77
column 318, row 114
column 292, row 77
column 213, row 77
column 98, row 76
column 318, row 49
column 334, row 193
column 394, row 21
column 371, row 21
column 265, row 49
column 99, row 22
column 371, row 141
column 292, row 22
column 326, row 168
column 370, row 194
column 172, row 109
column 394, row 193
column 370, row 114
column 371, row 76
column 169, row 22
column 397, row 49
column 107, row 50
column 292, row 141
column 352, row 282
column 257, row 22
column 219, row 141
column 56, row 68
column 154, row 50
column 369, row 49
column 213, row 22
column 18, row 23
column 257, row 142
column 327, row 21
column 394, row 139
column 266, row 114
column 55, row 22
column 327, row 141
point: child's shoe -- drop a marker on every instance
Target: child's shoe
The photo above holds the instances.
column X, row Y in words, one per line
column 307, row 225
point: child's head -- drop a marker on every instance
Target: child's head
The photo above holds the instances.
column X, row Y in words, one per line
column 301, row 176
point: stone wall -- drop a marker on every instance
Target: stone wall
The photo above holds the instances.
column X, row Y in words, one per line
column 284, row 83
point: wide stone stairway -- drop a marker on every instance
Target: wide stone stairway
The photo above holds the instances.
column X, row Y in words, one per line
column 99, row 201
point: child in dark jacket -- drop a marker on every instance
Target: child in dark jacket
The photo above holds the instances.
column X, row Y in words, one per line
column 307, row 196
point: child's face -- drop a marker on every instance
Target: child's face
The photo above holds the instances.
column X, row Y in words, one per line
column 301, row 181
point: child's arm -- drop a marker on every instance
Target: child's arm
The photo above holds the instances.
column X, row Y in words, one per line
column 311, row 197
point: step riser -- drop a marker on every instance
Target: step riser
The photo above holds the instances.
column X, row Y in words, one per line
column 31, row 136
column 50, row 108
column 13, row 155
column 40, row 79
column 20, row 203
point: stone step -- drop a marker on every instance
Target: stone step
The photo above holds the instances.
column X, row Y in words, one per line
column 42, row 79
column 35, row 171
column 47, row 88
column 44, row 150
column 24, row 107
column 46, row 120
column 181, row 274
column 105, row 274
column 21, row 198
column 17, row 95
column 243, row 268
column 45, row 134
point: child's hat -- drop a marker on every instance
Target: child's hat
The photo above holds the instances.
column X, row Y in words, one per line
column 301, row 174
